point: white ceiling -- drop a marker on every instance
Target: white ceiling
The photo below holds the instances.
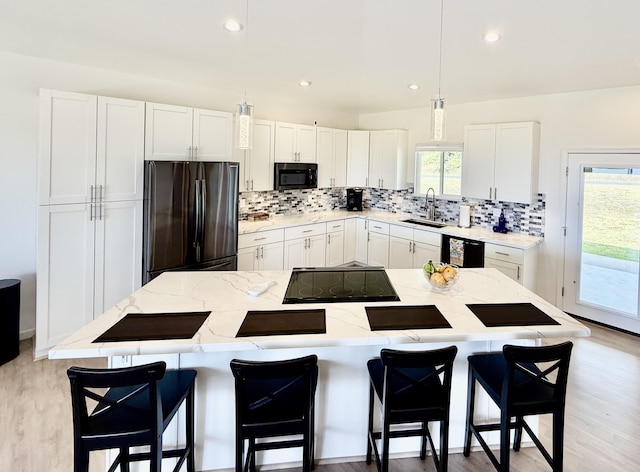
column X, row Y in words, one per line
column 359, row 54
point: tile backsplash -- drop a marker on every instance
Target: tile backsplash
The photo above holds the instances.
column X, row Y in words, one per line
column 521, row 218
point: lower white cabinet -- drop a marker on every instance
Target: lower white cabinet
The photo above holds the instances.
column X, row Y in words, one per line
column 378, row 244
column 362, row 241
column 263, row 250
column 518, row 264
column 305, row 246
column 335, row 244
column 411, row 248
column 89, row 258
column 350, row 239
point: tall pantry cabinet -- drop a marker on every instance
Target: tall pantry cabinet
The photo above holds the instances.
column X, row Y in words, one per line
column 90, row 192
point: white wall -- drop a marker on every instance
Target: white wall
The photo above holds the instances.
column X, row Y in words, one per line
column 20, row 81
column 599, row 119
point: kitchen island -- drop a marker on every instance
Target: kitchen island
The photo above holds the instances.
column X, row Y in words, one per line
column 342, row 350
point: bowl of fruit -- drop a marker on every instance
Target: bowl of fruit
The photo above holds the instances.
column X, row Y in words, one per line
column 440, row 275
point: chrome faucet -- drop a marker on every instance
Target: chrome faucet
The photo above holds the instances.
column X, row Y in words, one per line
column 430, row 208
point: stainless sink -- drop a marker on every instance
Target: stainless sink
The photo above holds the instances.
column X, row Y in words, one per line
column 423, row 222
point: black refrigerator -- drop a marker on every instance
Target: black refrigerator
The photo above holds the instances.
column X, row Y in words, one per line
column 190, row 217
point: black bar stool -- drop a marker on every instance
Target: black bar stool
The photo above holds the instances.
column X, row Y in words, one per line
column 521, row 381
column 275, row 398
column 137, row 407
column 412, row 387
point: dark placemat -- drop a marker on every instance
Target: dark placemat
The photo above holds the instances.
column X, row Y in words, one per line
column 382, row 318
column 493, row 315
column 279, row 322
column 154, row 326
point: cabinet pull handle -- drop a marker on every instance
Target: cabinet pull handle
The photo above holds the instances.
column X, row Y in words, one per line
column 495, row 193
column 91, row 212
column 328, row 239
column 490, row 189
column 368, row 237
column 101, row 199
column 251, row 184
column 260, row 239
column 92, row 192
column 247, row 185
column 503, row 253
column 410, row 246
column 101, row 211
column 195, row 152
column 377, row 227
column 366, row 181
column 257, row 253
column 190, row 150
column 307, row 230
column 518, row 273
column 261, row 252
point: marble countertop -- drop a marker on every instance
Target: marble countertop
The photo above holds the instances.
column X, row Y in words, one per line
column 516, row 240
column 224, row 294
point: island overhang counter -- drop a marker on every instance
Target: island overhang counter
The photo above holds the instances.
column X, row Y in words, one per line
column 342, row 350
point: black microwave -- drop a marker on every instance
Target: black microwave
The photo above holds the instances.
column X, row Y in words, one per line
column 295, row 175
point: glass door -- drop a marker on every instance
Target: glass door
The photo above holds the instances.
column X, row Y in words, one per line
column 602, row 245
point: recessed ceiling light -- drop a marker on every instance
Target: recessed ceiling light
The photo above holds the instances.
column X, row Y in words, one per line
column 413, row 87
column 492, row 37
column 304, row 83
column 232, row 26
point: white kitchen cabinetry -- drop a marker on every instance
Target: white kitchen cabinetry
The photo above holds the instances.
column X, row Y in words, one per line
column 388, row 159
column 90, row 217
column 256, row 164
column 517, row 263
column 378, row 244
column 305, row 246
column 412, row 248
column 357, row 158
column 176, row 133
column 362, row 241
column 501, row 162
column 331, row 154
column 335, row 243
column 350, row 239
column 263, row 250
column 295, row 143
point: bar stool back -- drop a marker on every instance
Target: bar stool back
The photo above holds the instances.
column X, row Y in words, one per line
column 275, row 398
column 412, row 387
column 522, row 381
column 137, row 406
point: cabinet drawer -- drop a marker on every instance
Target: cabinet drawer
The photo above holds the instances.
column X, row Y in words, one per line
column 335, row 226
column 259, row 238
column 378, row 227
column 504, row 253
column 296, row 232
column 427, row 237
column 401, row 232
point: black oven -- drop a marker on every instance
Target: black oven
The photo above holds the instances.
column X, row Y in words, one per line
column 295, row 175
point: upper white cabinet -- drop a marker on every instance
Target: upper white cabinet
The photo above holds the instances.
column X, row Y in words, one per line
column 256, row 169
column 90, row 168
column 179, row 133
column 388, row 159
column 501, row 162
column 331, row 154
column 91, row 149
column 295, row 143
column 357, row 158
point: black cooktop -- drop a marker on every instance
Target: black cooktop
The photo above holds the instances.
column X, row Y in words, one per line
column 349, row 284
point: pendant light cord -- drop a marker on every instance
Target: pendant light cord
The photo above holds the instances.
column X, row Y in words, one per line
column 440, row 59
column 246, row 47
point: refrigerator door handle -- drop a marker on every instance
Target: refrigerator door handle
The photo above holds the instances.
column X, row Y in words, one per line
column 203, row 212
column 196, row 236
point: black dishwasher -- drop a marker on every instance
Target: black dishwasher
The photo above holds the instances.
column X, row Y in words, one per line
column 472, row 251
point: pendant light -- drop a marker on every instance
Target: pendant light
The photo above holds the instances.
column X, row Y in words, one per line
column 244, row 113
column 437, row 110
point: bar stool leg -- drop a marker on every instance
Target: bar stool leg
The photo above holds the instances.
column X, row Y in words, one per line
column 471, row 394
column 370, row 430
column 505, row 443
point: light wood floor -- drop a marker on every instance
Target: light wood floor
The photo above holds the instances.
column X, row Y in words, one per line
column 602, row 430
